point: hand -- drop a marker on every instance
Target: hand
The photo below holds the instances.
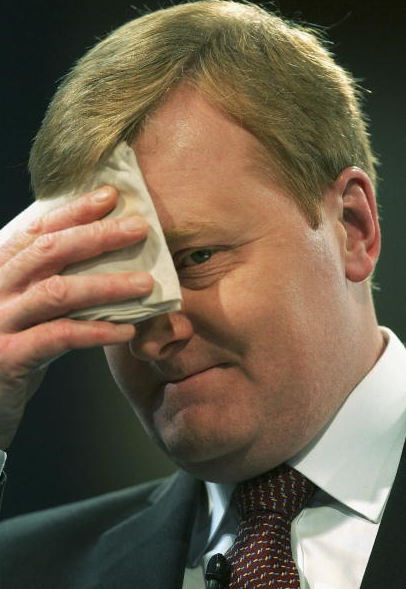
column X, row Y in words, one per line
column 34, row 297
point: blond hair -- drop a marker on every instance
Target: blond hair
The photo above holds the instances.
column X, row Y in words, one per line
column 276, row 78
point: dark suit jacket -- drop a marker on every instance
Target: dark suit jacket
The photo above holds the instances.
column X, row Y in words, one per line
column 138, row 539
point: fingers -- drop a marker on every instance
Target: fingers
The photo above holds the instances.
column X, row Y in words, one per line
column 57, row 295
column 51, row 252
column 34, row 297
column 23, row 352
column 82, row 210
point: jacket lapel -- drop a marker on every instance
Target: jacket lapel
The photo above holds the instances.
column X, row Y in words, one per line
column 387, row 563
column 149, row 550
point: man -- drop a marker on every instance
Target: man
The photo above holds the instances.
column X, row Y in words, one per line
column 253, row 147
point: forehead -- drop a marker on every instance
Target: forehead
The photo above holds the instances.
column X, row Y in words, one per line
column 187, row 129
column 200, row 166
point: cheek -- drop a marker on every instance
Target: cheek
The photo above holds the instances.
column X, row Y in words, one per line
column 278, row 311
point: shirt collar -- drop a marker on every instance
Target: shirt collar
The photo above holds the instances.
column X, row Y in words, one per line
column 219, row 497
column 210, row 517
column 355, row 457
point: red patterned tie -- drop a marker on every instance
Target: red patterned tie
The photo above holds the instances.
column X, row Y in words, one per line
column 261, row 555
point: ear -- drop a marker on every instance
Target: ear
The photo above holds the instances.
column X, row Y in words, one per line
column 360, row 221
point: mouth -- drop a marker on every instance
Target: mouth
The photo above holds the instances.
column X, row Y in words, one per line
column 192, row 375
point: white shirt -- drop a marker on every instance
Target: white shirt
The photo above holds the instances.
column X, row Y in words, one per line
column 353, row 461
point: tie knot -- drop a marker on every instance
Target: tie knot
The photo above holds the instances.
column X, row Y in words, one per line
column 282, row 490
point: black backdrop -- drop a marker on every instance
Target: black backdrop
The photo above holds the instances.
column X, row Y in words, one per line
column 78, row 437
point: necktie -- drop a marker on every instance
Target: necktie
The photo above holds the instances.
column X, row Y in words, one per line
column 261, row 555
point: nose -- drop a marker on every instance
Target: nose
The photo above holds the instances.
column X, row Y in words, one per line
column 159, row 337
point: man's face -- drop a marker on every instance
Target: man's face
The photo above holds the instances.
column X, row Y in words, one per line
column 252, row 367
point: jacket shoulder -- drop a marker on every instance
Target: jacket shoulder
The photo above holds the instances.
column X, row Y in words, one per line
column 67, row 547
column 34, row 547
column 103, row 511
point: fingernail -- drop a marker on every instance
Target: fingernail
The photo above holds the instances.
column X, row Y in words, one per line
column 141, row 280
column 102, row 195
column 131, row 224
column 125, row 329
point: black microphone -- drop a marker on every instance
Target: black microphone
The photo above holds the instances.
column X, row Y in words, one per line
column 218, row 572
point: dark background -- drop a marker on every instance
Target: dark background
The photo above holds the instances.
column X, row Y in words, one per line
column 78, row 437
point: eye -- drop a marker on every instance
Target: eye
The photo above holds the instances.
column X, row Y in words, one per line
column 199, row 256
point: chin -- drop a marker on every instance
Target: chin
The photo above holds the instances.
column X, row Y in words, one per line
column 229, row 468
column 206, row 453
column 214, row 445
column 218, row 460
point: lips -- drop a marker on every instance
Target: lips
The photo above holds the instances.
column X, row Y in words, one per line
column 173, row 380
column 181, row 376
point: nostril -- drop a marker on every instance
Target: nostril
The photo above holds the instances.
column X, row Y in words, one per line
column 161, row 336
column 173, row 347
column 154, row 350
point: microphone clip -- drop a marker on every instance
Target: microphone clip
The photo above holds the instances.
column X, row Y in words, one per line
column 218, row 572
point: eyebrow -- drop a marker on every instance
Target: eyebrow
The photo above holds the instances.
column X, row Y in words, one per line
column 190, row 229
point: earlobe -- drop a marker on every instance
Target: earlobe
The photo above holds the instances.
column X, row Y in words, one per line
column 360, row 220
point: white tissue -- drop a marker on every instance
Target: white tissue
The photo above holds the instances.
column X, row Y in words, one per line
column 152, row 255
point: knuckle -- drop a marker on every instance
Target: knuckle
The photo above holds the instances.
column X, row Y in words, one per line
column 45, row 244
column 100, row 230
column 71, row 334
column 100, row 332
column 64, row 332
column 55, row 289
column 36, row 227
column 109, row 288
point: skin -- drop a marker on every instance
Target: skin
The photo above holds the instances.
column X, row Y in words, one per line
column 34, row 297
column 277, row 324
